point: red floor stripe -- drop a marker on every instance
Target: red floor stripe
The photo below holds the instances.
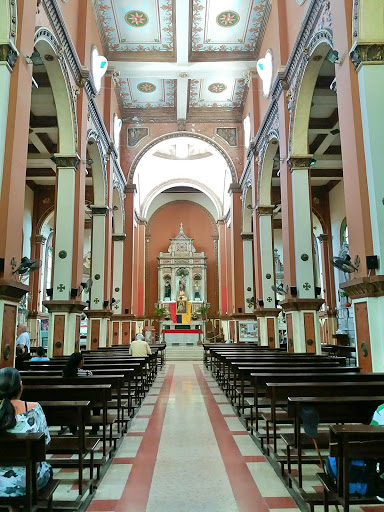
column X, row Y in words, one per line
column 254, row 458
column 102, row 505
column 246, row 493
column 284, row 502
column 124, row 460
column 136, row 491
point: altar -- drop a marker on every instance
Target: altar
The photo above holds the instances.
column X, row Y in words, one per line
column 181, row 336
column 182, row 290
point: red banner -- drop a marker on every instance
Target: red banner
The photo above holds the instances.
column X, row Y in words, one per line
column 172, row 309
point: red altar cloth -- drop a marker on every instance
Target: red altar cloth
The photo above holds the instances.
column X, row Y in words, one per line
column 195, row 331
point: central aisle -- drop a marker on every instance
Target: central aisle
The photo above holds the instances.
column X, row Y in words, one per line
column 186, row 451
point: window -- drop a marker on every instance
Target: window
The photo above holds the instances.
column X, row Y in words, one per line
column 117, row 124
column 99, row 66
column 265, row 68
column 247, row 131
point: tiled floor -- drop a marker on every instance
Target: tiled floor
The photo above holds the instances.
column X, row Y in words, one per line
column 186, row 451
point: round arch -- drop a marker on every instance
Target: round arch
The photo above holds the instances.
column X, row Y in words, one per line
column 181, row 182
column 99, row 172
column 318, row 49
column 49, row 49
column 44, row 219
column 173, row 135
column 264, row 179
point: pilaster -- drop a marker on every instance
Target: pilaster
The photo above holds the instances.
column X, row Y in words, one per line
column 118, row 262
column 236, row 248
column 130, row 191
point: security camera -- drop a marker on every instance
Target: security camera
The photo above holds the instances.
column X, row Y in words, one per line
column 333, row 85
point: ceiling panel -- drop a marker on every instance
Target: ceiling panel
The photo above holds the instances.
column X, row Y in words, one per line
column 221, row 93
column 226, row 25
column 143, row 93
column 137, row 26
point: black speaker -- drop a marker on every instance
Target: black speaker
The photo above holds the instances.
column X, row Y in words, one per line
column 2, row 262
column 239, row 310
column 49, row 292
column 73, row 292
column 126, row 311
column 105, row 303
column 293, row 291
column 372, row 262
column 317, row 291
column 260, row 302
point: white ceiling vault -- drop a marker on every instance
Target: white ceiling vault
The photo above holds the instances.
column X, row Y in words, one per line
column 181, row 59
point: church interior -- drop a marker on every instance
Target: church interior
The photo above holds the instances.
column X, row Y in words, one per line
column 203, row 177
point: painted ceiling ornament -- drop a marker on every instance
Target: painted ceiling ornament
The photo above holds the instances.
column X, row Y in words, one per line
column 99, row 67
column 146, row 87
column 228, row 19
column 265, row 69
column 217, row 88
column 136, row 19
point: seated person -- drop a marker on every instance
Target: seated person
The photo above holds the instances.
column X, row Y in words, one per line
column 365, row 477
column 23, row 337
column 21, row 356
column 74, row 366
column 139, row 347
column 18, row 417
column 40, row 355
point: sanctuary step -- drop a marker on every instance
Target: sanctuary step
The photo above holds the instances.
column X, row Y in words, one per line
column 184, row 353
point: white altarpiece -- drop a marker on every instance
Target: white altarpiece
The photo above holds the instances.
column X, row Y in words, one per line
column 182, row 275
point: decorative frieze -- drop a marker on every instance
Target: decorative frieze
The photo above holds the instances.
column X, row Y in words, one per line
column 300, row 162
column 119, row 237
column 70, row 161
column 367, row 54
column 8, row 54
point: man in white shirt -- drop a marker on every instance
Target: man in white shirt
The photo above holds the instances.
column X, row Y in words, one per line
column 139, row 347
column 23, row 337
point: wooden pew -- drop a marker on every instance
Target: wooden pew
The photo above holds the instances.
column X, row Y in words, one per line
column 98, row 396
column 331, row 409
column 76, row 413
column 362, row 442
column 26, row 450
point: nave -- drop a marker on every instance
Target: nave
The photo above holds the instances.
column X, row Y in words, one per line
column 186, row 450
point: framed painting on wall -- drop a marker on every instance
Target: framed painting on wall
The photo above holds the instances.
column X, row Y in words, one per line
column 248, row 332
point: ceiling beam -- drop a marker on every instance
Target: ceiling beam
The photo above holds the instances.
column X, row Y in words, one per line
column 182, row 45
column 194, row 70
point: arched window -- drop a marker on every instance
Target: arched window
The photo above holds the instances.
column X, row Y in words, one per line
column 344, row 242
column 99, row 66
column 48, row 266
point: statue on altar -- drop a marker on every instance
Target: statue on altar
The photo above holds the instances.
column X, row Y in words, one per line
column 182, row 286
column 196, row 287
column 167, row 289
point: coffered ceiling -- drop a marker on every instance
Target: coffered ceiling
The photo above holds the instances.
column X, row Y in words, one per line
column 181, row 59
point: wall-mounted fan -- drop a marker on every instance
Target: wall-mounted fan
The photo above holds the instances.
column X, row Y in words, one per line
column 278, row 289
column 27, row 266
column 115, row 302
column 86, row 287
column 344, row 264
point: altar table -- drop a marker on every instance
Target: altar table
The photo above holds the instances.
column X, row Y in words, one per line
column 181, row 336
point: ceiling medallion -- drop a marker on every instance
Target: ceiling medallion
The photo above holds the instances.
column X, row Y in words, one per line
column 136, row 19
column 146, row 87
column 228, row 19
column 217, row 88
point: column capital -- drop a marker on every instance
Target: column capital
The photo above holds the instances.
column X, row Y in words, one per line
column 40, row 239
column 323, row 238
column 99, row 210
column 235, row 188
column 300, row 162
column 119, row 237
column 65, row 306
column 130, row 188
column 70, row 161
column 247, row 236
column 264, row 210
column 301, row 304
column 362, row 287
column 221, row 222
column 9, row 54
column 367, row 53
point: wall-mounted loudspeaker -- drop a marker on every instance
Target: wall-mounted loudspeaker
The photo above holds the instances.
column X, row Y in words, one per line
column 372, row 262
column 49, row 292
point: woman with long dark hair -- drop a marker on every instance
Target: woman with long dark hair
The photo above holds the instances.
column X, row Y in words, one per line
column 18, row 417
column 74, row 366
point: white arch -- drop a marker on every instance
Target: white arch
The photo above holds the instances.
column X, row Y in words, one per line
column 48, row 47
column 247, row 212
column 264, row 178
column 180, row 182
column 318, row 47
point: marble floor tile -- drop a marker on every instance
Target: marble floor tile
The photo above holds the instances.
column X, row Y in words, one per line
column 113, row 483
